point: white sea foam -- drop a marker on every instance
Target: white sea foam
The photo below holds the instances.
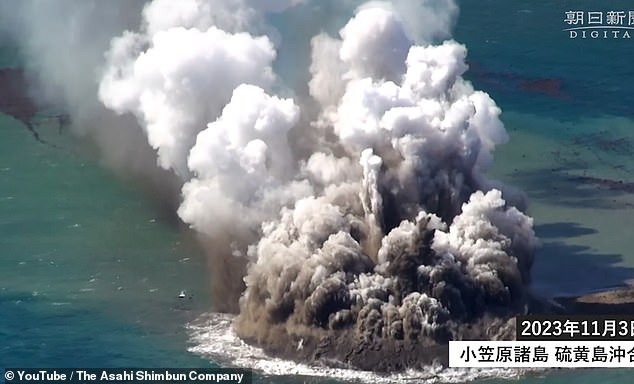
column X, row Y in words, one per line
column 212, row 337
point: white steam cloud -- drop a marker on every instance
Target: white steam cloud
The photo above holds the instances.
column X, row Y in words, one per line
column 184, row 78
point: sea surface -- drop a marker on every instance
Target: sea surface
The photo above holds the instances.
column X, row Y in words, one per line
column 90, row 268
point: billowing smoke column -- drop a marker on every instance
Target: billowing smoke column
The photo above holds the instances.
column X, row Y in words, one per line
column 385, row 232
column 354, row 218
column 413, row 248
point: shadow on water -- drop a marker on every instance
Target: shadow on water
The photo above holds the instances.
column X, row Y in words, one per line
column 569, row 269
column 568, row 230
column 568, row 190
column 575, row 269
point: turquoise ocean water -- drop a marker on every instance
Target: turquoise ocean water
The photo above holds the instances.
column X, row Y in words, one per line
column 90, row 268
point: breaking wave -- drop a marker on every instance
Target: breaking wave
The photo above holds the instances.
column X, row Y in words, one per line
column 212, row 337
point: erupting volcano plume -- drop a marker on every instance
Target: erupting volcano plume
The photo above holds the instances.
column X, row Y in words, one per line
column 347, row 219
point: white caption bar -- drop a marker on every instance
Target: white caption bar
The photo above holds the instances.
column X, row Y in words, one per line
column 541, row 354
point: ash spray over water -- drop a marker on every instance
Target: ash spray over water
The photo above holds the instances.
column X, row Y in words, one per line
column 353, row 221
